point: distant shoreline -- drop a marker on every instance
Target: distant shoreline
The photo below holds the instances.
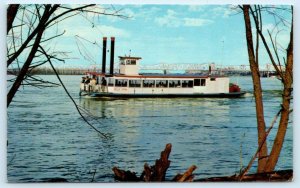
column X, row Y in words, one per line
column 77, row 71
column 60, row 71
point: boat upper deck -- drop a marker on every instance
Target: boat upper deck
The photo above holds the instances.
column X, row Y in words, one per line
column 179, row 76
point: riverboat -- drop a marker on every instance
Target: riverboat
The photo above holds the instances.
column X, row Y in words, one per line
column 129, row 83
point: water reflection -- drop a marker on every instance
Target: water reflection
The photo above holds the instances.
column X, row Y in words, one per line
column 177, row 108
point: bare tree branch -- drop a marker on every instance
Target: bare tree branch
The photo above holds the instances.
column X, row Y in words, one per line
column 68, row 11
column 275, row 50
column 47, row 13
column 245, row 170
column 265, row 44
column 50, row 62
column 28, row 61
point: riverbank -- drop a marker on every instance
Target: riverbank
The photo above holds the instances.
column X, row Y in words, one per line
column 276, row 176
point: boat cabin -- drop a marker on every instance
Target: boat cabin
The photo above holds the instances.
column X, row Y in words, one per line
column 129, row 65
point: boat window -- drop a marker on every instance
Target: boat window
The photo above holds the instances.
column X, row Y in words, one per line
column 110, row 82
column 174, row 83
column 203, row 82
column 161, row 83
column 121, row 83
column 134, row 83
column 122, row 62
column 196, row 82
column 187, row 83
column 212, row 79
column 148, row 83
column 131, row 62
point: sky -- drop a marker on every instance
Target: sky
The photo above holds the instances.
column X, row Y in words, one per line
column 173, row 34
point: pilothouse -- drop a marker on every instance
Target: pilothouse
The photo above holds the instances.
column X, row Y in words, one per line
column 128, row 82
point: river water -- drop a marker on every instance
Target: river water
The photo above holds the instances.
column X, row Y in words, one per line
column 48, row 139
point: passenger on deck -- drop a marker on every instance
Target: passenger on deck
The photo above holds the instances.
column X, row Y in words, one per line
column 103, row 81
column 93, row 83
column 103, row 84
column 87, row 82
column 83, row 82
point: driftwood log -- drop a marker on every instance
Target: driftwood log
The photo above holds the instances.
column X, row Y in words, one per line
column 187, row 176
column 155, row 173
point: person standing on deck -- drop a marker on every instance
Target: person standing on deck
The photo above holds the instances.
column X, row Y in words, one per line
column 103, row 84
column 93, row 83
column 83, row 83
column 87, row 82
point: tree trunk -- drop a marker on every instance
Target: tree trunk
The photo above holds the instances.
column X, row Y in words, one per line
column 261, row 127
column 11, row 14
column 284, row 119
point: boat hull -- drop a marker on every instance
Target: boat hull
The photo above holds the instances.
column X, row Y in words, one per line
column 194, row 95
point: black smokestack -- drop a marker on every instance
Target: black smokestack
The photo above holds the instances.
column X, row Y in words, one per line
column 104, row 55
column 112, row 54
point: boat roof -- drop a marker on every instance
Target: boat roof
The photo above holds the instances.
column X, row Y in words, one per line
column 158, row 75
column 129, row 57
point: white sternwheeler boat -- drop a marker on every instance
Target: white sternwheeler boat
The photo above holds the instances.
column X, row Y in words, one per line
column 128, row 83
